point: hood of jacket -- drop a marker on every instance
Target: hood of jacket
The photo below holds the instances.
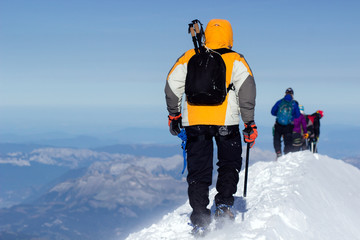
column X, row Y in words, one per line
column 218, row 34
column 288, row 97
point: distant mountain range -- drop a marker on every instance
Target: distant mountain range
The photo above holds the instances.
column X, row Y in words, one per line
column 338, row 142
column 111, row 197
column 98, row 192
column 26, row 169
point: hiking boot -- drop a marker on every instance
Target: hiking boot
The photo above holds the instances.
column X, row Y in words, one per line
column 224, row 212
column 198, row 231
column 278, row 154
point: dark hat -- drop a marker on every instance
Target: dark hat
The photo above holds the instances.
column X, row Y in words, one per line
column 289, row 91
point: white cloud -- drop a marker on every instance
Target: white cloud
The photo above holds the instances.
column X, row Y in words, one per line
column 15, row 161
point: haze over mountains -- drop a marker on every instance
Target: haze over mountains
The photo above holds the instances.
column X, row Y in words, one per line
column 115, row 193
column 64, row 190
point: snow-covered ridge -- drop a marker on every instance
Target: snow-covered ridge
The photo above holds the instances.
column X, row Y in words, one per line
column 300, row 196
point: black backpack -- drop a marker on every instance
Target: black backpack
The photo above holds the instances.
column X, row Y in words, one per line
column 206, row 72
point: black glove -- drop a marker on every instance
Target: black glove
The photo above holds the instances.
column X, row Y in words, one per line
column 175, row 123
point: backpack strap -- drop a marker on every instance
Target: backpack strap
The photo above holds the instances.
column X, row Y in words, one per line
column 230, row 87
column 222, row 51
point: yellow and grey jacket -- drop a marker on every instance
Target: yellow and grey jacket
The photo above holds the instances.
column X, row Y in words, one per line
column 239, row 102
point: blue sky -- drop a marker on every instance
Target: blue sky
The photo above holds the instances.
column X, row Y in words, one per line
column 67, row 64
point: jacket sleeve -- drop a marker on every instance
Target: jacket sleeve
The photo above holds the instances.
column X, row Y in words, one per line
column 275, row 108
column 296, row 110
column 317, row 125
column 247, row 95
column 245, row 86
column 175, row 86
column 303, row 123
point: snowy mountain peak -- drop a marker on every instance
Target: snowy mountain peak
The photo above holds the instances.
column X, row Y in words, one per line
column 300, row 196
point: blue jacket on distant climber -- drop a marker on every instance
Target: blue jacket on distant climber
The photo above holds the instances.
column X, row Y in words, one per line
column 295, row 111
column 285, row 110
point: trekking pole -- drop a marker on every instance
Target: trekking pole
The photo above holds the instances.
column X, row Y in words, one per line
column 312, row 146
column 192, row 32
column 199, row 32
column 246, row 168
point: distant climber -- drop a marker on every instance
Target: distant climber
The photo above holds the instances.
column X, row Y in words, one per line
column 313, row 127
column 300, row 134
column 285, row 110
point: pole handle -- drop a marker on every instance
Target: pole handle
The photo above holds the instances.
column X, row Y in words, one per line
column 192, row 31
column 197, row 29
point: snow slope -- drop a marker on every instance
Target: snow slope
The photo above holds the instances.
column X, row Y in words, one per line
column 300, row 196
